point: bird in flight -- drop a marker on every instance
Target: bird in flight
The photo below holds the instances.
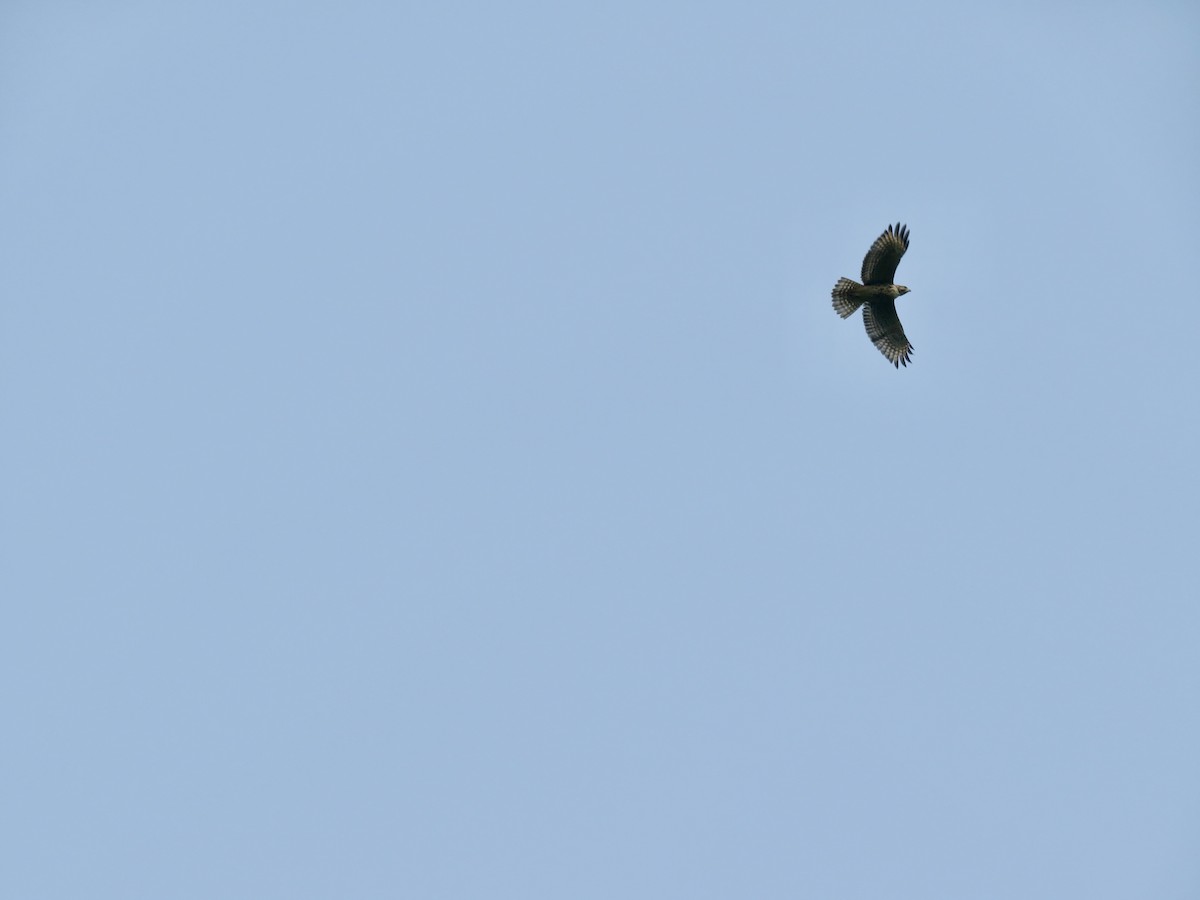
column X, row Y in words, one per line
column 877, row 295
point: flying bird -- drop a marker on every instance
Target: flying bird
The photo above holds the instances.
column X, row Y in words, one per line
column 877, row 295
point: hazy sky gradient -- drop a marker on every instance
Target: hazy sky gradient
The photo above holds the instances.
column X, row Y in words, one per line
column 433, row 467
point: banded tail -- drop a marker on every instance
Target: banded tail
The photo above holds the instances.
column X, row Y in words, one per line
column 846, row 299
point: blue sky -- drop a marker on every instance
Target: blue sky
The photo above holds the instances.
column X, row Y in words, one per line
column 433, row 467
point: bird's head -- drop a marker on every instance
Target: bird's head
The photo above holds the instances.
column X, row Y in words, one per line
column 901, row 290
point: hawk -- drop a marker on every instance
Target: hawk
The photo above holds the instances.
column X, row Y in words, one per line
column 877, row 295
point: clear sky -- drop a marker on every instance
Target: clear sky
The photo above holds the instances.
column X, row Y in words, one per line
column 432, row 466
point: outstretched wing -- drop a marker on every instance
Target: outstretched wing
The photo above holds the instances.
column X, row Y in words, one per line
column 879, row 265
column 886, row 332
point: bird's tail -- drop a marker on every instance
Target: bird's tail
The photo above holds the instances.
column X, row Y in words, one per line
column 846, row 299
